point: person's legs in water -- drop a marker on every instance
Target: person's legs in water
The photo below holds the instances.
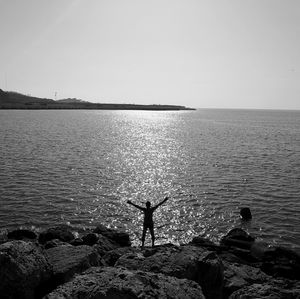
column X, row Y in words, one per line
column 144, row 235
column 152, row 235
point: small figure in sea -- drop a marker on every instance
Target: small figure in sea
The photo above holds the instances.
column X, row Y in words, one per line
column 246, row 214
column 148, row 218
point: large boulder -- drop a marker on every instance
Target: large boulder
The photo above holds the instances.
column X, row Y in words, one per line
column 270, row 290
column 69, row 260
column 62, row 232
column 23, row 270
column 190, row 262
column 121, row 283
column 118, row 237
column 238, row 238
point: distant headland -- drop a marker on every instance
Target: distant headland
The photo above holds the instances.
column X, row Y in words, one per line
column 15, row 100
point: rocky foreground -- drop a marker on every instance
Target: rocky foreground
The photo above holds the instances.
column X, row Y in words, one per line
column 102, row 264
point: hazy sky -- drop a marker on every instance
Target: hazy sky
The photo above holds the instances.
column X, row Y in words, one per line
column 198, row 53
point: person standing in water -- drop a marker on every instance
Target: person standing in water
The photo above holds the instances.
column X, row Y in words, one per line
column 148, row 218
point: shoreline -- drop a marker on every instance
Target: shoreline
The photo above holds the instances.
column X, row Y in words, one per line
column 14, row 100
column 124, row 107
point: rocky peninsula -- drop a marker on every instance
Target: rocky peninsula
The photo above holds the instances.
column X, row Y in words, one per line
column 101, row 263
column 14, row 100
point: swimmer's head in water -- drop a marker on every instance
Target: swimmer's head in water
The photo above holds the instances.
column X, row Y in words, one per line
column 148, row 204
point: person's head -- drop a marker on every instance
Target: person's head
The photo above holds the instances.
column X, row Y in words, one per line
column 148, row 204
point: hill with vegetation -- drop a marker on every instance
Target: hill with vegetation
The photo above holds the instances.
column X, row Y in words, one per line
column 15, row 100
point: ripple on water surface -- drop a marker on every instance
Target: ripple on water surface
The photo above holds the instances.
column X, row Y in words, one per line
column 80, row 167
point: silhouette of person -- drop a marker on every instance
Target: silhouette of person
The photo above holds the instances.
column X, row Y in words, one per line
column 148, row 218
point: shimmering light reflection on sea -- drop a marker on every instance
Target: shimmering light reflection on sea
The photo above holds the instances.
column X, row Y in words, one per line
column 80, row 167
column 150, row 161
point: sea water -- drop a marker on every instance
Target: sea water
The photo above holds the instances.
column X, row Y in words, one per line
column 80, row 167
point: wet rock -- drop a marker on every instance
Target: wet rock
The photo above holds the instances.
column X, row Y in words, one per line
column 246, row 213
column 190, row 262
column 121, row 238
column 281, row 262
column 238, row 238
column 68, row 260
column 237, row 276
column 62, row 232
column 269, row 290
column 20, row 234
column 55, row 243
column 239, row 234
column 126, row 284
column 23, row 270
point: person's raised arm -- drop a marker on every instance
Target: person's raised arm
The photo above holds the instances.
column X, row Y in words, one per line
column 131, row 203
column 162, row 202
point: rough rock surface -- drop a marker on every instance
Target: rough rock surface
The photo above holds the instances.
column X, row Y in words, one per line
column 121, row 238
column 111, row 257
column 55, row 243
column 189, row 262
column 121, row 283
column 238, row 268
column 68, row 260
column 104, row 245
column 237, row 276
column 23, row 269
column 269, row 290
column 62, row 232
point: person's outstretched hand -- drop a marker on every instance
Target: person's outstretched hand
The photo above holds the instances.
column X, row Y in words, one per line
column 128, row 201
column 166, row 198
